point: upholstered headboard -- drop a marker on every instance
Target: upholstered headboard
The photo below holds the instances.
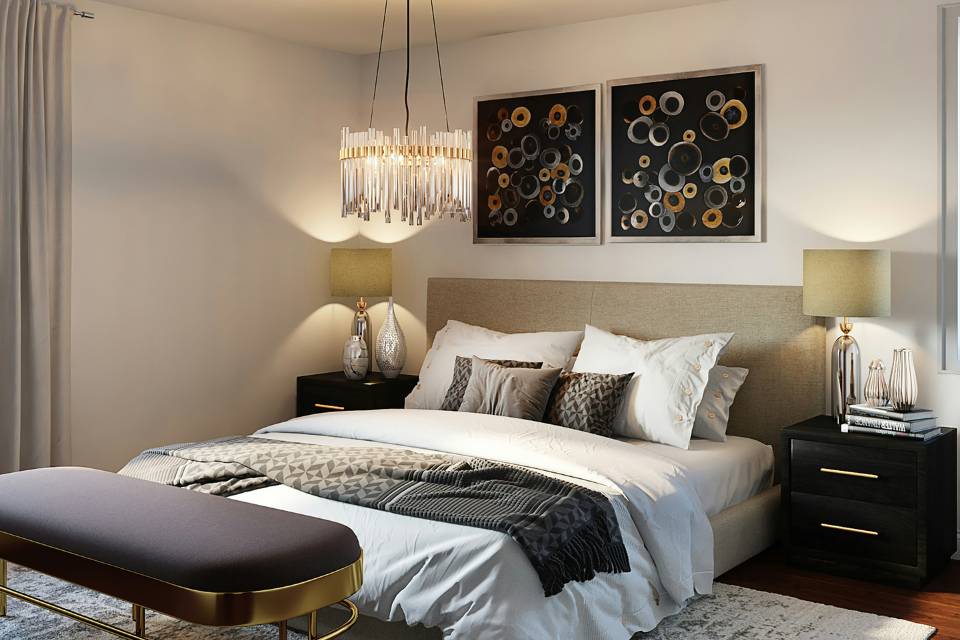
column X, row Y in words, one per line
column 783, row 348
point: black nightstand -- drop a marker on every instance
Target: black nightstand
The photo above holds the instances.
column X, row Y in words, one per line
column 872, row 507
column 333, row 392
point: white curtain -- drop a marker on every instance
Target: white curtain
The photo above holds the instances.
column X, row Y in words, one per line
column 35, row 185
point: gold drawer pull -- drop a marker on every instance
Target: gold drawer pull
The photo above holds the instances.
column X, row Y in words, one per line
column 855, row 474
column 332, row 407
column 837, row 527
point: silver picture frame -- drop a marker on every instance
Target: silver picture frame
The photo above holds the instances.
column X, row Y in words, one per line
column 759, row 186
column 599, row 141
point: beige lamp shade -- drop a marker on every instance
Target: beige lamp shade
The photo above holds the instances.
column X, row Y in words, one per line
column 851, row 283
column 361, row 272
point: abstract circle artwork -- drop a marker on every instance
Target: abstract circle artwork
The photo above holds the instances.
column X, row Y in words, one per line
column 538, row 167
column 684, row 149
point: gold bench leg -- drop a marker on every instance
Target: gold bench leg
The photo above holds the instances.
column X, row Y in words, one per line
column 140, row 619
column 3, row 583
column 73, row 615
column 314, row 633
column 283, row 630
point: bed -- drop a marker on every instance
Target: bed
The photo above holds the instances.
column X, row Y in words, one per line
column 686, row 516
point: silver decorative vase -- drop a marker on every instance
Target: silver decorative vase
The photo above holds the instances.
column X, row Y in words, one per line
column 391, row 345
column 875, row 391
column 903, row 380
column 356, row 358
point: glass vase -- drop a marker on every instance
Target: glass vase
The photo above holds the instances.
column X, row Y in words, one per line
column 903, row 380
column 356, row 359
column 391, row 345
column 875, row 391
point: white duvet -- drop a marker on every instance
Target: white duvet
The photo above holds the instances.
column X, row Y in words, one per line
column 474, row 583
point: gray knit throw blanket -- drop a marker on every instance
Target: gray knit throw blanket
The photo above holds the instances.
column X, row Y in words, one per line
column 568, row 532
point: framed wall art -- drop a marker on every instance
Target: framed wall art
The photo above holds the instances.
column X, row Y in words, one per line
column 538, row 167
column 684, row 157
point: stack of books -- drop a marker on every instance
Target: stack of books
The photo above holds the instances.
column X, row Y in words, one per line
column 916, row 424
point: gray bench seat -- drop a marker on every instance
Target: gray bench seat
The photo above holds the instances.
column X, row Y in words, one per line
column 199, row 558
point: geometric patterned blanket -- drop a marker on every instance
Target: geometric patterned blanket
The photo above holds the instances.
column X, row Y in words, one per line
column 568, row 532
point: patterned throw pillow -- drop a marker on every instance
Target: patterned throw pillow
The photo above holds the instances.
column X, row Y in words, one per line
column 461, row 376
column 587, row 401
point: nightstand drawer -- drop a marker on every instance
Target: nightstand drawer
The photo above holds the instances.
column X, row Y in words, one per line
column 326, row 392
column 323, row 399
column 881, row 476
column 853, row 528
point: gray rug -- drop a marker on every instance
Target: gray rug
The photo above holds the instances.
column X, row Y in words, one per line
column 744, row 614
column 732, row 613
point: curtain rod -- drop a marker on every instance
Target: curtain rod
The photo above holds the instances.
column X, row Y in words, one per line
column 84, row 14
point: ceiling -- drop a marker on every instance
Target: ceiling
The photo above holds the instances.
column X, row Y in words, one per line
column 353, row 26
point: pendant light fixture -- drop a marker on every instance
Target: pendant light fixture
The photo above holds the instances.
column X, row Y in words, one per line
column 414, row 173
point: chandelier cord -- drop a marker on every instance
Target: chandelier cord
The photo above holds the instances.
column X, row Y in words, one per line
column 443, row 91
column 376, row 78
column 406, row 87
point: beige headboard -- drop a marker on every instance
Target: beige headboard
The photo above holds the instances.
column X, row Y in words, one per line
column 783, row 348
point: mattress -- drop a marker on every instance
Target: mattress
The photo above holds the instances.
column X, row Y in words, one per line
column 722, row 473
column 473, row 582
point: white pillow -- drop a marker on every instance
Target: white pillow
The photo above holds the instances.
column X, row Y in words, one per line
column 714, row 411
column 552, row 348
column 667, row 387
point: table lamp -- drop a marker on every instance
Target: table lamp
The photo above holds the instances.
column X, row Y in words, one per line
column 845, row 283
column 359, row 273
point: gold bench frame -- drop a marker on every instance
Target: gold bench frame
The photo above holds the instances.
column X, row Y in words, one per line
column 271, row 606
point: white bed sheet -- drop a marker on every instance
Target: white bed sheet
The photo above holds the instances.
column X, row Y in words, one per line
column 723, row 473
column 474, row 583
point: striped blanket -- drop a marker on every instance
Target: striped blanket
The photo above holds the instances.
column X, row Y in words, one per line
column 568, row 532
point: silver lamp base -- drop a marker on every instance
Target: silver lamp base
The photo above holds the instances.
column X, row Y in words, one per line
column 844, row 372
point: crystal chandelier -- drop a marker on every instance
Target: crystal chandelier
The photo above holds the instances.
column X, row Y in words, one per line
column 414, row 173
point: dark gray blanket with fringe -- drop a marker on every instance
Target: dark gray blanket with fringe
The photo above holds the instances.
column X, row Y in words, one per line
column 569, row 533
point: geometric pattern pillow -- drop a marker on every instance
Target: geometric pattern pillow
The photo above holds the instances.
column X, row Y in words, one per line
column 461, row 376
column 587, row 401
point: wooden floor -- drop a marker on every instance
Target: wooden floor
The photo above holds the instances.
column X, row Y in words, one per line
column 937, row 604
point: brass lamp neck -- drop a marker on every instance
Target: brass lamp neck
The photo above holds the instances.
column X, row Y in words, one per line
column 361, row 304
column 846, row 326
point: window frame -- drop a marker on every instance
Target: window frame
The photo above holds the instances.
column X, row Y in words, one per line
column 949, row 299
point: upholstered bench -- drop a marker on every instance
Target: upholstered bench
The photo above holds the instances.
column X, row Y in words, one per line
column 203, row 559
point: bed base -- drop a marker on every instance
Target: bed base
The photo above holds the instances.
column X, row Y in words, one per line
column 745, row 529
column 739, row 533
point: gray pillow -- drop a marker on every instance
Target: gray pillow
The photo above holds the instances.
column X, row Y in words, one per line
column 587, row 401
column 499, row 391
column 714, row 410
column 461, row 376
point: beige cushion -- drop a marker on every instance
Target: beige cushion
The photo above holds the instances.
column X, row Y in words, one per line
column 502, row 391
column 461, row 378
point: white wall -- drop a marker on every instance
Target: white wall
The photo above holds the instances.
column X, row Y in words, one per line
column 206, row 177
column 851, row 108
column 205, row 171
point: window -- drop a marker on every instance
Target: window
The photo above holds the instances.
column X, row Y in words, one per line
column 949, row 150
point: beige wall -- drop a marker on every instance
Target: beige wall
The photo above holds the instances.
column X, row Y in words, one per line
column 851, row 107
column 206, row 178
column 204, row 171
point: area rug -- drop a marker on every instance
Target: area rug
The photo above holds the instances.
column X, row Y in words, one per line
column 731, row 613
column 744, row 614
